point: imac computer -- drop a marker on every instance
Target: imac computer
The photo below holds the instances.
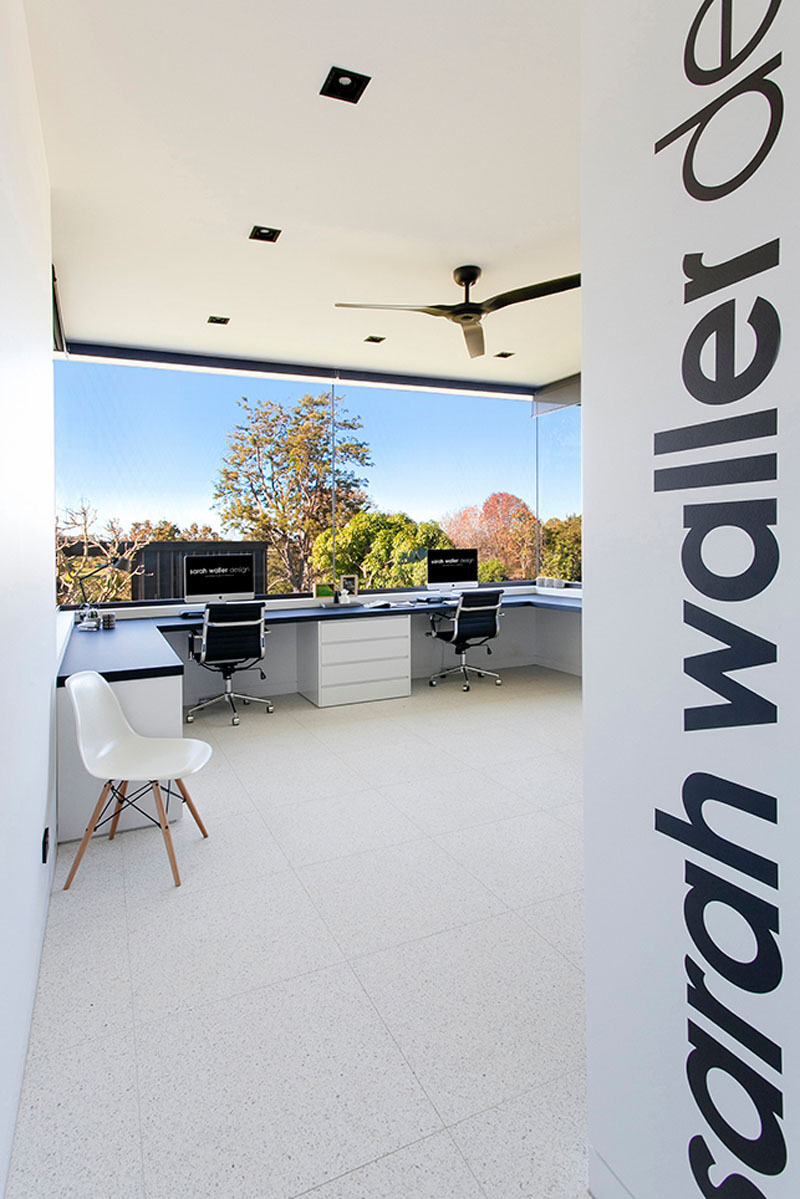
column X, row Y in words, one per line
column 452, row 570
column 218, row 578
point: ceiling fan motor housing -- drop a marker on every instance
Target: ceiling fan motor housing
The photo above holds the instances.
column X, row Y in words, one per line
column 465, row 276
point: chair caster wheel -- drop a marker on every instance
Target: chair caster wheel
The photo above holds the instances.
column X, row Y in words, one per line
column 431, row 682
column 235, row 720
column 465, row 687
column 190, row 719
column 498, row 682
column 245, row 701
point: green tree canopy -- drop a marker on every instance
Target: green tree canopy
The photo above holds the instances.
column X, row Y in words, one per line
column 385, row 549
column 275, row 484
column 562, row 558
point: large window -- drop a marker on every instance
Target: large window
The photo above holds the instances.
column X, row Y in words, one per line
column 324, row 481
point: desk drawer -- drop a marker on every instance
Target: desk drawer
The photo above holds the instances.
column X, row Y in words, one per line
column 361, row 692
column 368, row 672
column 366, row 629
column 374, row 650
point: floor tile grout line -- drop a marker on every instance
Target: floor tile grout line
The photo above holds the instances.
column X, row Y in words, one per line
column 370, row 1161
column 465, row 1160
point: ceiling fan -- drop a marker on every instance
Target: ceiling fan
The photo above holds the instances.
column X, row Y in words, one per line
column 468, row 314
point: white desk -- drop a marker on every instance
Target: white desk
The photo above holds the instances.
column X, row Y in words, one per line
column 332, row 655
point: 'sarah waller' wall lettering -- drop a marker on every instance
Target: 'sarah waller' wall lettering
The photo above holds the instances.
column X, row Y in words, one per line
column 727, row 358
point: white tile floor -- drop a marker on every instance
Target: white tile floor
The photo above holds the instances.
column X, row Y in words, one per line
column 369, row 985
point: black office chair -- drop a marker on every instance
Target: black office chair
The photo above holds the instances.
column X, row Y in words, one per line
column 232, row 638
column 476, row 621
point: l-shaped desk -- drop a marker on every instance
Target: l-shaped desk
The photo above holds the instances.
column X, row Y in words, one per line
column 332, row 654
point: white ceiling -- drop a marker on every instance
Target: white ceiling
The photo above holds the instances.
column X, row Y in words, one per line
column 173, row 126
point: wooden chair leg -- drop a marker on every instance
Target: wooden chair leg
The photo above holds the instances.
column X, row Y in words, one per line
column 118, row 809
column 190, row 805
column 87, row 836
column 162, row 818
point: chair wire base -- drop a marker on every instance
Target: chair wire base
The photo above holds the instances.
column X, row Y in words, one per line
column 230, row 695
column 464, row 669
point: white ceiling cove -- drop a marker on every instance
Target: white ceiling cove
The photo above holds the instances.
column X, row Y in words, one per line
column 172, row 127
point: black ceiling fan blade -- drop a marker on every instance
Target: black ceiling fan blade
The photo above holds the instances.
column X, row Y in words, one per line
column 533, row 291
column 473, row 336
column 431, row 310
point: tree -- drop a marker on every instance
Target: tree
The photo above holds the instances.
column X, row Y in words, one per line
column 276, row 483
column 503, row 528
column 491, row 570
column 167, row 530
column 385, row 549
column 562, row 555
column 80, row 550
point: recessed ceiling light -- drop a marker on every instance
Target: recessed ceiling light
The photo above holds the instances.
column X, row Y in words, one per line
column 344, row 85
column 218, row 320
column 374, row 339
column 264, row 233
column 505, row 354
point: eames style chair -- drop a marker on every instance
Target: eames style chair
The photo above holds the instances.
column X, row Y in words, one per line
column 112, row 751
column 476, row 621
column 233, row 638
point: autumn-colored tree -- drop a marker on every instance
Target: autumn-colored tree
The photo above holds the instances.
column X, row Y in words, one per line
column 562, row 556
column 275, row 484
column 385, row 549
column 502, row 528
column 81, row 549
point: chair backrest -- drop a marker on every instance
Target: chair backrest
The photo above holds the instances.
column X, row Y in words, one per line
column 477, row 616
column 99, row 720
column 233, row 633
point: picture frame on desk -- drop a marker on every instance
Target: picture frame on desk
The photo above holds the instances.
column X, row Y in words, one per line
column 348, row 585
column 323, row 591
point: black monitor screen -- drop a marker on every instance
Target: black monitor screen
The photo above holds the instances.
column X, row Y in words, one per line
column 452, row 566
column 210, row 578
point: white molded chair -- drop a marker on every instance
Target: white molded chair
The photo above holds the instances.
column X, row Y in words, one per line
column 111, row 750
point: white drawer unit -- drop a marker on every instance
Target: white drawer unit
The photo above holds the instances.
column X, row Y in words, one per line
column 353, row 660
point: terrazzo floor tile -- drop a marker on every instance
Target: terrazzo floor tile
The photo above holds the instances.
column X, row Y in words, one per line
column 480, row 1012
column 274, row 1092
column 560, row 922
column 455, row 801
column 84, row 987
column 236, row 848
column 286, row 778
column 337, row 825
column 430, row 1169
column 389, row 896
column 217, row 792
column 78, row 1128
column 409, row 758
column 97, row 889
column 496, row 744
column 533, row 1146
column 546, row 780
column 188, row 948
column 522, row 859
column 571, row 814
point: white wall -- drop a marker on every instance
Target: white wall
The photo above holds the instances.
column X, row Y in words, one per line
column 27, row 594
column 691, row 1095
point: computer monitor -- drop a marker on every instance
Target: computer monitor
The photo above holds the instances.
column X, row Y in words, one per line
column 452, row 570
column 218, row 578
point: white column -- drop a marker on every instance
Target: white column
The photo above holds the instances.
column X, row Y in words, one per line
column 691, row 299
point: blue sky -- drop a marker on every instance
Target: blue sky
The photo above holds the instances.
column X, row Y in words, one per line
column 142, row 443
